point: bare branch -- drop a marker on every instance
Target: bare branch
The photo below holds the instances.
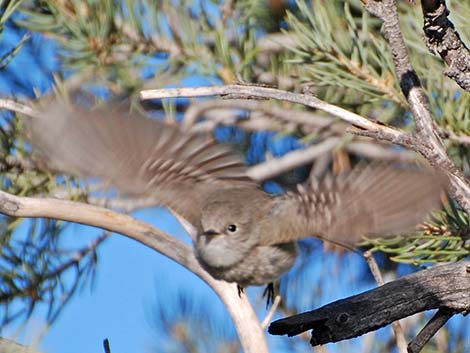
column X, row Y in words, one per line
column 288, row 115
column 8, row 346
column 443, row 39
column 373, row 150
column 14, row 106
column 256, row 122
column 217, row 111
column 428, row 331
column 291, row 160
column 397, row 329
column 425, row 141
column 18, row 163
column 248, row 327
column 386, row 133
column 272, row 311
column 440, row 287
column 126, row 205
column 449, row 134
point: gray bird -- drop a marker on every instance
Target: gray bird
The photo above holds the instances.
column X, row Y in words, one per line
column 242, row 234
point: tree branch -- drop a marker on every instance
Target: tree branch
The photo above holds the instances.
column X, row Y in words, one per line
column 437, row 321
column 442, row 38
column 381, row 131
column 298, row 117
column 10, row 104
column 8, row 346
column 291, row 160
column 449, row 134
column 440, row 287
column 247, row 324
column 396, row 326
column 426, row 139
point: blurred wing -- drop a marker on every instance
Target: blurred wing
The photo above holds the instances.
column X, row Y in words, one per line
column 376, row 200
column 138, row 155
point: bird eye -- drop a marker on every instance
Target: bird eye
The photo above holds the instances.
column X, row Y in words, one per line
column 231, row 228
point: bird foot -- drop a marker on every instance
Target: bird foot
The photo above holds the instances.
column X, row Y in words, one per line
column 268, row 293
column 241, row 290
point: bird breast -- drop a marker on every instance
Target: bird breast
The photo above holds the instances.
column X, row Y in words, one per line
column 264, row 264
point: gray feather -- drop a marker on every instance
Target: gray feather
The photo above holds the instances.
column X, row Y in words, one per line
column 376, row 200
column 138, row 155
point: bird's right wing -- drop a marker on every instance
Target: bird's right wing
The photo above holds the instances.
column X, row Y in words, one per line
column 138, row 155
column 373, row 200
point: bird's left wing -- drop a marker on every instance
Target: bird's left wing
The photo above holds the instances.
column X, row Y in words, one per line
column 137, row 155
column 373, row 200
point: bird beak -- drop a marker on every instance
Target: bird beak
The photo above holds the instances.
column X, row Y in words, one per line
column 210, row 233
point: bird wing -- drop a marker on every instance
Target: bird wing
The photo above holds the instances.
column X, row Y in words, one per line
column 138, row 155
column 374, row 200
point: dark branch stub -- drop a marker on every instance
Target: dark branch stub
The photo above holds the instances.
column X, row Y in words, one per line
column 443, row 287
column 437, row 321
column 107, row 348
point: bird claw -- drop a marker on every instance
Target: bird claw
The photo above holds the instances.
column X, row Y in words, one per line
column 240, row 290
column 269, row 294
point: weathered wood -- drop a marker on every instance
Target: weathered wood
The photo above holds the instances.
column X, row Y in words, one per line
column 440, row 287
column 437, row 321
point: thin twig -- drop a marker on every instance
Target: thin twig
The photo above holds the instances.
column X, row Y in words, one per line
column 271, row 312
column 397, row 329
column 220, row 112
column 373, row 150
column 17, row 162
column 227, row 9
column 449, row 134
column 14, row 106
column 74, row 260
column 289, row 115
column 374, row 268
column 291, row 160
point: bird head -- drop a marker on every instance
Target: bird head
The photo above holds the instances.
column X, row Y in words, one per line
column 228, row 226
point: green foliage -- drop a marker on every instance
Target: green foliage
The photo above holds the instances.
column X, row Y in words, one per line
column 32, row 265
column 8, row 8
column 35, row 268
column 446, row 238
column 346, row 59
column 339, row 50
column 116, row 39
